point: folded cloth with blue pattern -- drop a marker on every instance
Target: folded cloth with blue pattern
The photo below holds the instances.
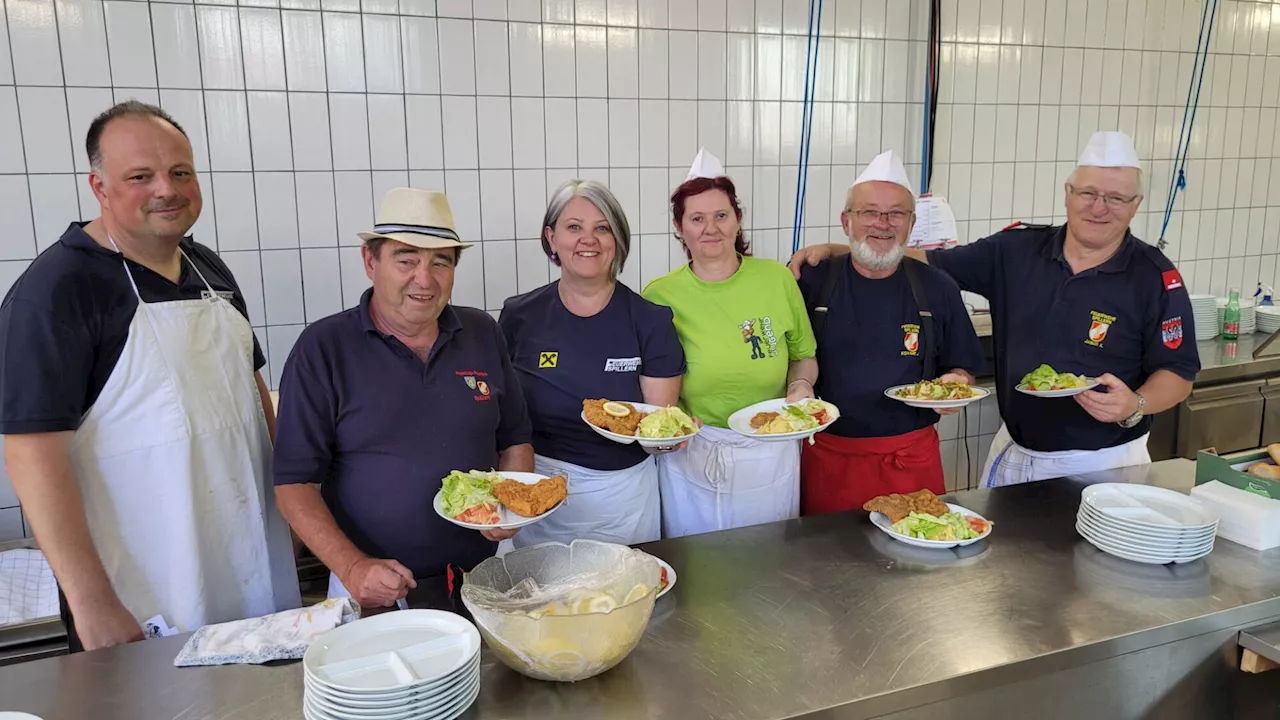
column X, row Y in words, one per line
column 280, row 636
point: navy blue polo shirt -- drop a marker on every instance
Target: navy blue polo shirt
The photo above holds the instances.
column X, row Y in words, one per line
column 870, row 342
column 66, row 319
column 1130, row 317
column 563, row 359
column 379, row 429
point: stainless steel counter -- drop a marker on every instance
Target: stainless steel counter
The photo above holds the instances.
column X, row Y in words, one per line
column 828, row 618
column 1221, row 363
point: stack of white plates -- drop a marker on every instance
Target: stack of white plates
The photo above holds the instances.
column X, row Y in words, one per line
column 1248, row 316
column 1268, row 318
column 1146, row 524
column 1205, row 309
column 405, row 665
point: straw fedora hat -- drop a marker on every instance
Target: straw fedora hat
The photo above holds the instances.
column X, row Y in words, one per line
column 420, row 218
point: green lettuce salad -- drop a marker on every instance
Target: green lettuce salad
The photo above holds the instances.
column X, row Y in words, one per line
column 1046, row 378
column 951, row 526
column 465, row 490
column 668, row 422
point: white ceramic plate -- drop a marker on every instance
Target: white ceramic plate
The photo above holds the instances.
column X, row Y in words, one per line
column 892, row 394
column 740, row 421
column 1139, row 544
column 881, row 521
column 1026, row 390
column 1144, row 533
column 445, row 713
column 644, row 442
column 430, row 705
column 1127, row 554
column 507, row 519
column 392, row 652
column 370, row 701
column 671, row 576
column 1149, row 507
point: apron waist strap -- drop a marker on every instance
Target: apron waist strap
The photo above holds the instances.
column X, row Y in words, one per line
column 889, row 445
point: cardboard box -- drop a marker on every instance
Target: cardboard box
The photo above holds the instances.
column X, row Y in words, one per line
column 1233, row 470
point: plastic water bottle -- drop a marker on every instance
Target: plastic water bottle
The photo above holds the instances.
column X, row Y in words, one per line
column 1231, row 318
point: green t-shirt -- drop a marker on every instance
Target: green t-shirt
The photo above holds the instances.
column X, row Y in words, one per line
column 738, row 334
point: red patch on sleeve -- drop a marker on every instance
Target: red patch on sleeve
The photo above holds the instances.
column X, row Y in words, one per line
column 1171, row 332
column 1172, row 280
column 1010, row 227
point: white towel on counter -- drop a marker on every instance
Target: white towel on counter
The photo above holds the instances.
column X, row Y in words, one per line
column 280, row 636
column 27, row 588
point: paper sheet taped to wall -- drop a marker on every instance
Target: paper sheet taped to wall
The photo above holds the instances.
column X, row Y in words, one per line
column 935, row 224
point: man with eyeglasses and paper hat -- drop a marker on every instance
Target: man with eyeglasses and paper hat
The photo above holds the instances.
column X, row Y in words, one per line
column 1087, row 298
column 379, row 403
column 881, row 320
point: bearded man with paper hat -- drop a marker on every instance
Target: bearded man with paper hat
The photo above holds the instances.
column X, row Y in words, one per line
column 1086, row 298
column 881, row 320
column 378, row 403
column 746, row 339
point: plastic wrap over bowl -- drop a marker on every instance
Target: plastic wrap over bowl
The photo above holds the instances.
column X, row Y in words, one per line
column 563, row 612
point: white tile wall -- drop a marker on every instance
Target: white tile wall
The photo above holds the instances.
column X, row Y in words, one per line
column 302, row 112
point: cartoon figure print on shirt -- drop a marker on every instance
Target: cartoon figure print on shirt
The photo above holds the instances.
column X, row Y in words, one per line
column 758, row 333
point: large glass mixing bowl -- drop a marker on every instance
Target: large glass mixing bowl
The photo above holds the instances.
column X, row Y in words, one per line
column 563, row 612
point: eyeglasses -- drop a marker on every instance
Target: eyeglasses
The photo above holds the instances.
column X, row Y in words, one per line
column 896, row 218
column 1112, row 201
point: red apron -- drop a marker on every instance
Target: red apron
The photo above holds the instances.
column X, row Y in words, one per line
column 838, row 474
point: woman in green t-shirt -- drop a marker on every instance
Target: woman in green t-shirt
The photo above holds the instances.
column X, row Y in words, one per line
column 746, row 338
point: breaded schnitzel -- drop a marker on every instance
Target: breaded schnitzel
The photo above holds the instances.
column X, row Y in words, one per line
column 896, row 506
column 531, row 500
column 625, row 425
column 761, row 419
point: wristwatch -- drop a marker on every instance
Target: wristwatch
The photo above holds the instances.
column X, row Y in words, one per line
column 1137, row 416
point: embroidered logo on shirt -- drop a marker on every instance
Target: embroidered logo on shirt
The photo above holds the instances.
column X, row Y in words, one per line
column 758, row 333
column 1171, row 333
column 1172, row 279
column 911, row 339
column 474, row 383
column 1099, row 328
column 622, row 364
column 548, row 360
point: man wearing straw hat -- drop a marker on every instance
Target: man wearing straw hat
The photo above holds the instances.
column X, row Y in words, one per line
column 1087, row 298
column 380, row 402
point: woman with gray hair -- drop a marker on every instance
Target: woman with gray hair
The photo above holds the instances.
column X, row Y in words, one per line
column 588, row 336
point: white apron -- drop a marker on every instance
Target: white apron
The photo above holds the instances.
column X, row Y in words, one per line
column 725, row 480
column 620, row 506
column 1008, row 463
column 174, row 462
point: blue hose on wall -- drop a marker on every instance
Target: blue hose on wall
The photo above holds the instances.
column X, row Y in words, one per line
column 806, row 119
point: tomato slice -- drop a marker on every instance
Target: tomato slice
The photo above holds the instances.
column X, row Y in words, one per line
column 979, row 526
column 663, row 582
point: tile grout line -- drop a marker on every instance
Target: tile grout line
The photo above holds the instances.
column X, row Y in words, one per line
column 333, row 164
column 297, row 213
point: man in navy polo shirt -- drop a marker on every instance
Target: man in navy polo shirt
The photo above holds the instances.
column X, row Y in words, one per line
column 380, row 402
column 136, row 424
column 1087, row 298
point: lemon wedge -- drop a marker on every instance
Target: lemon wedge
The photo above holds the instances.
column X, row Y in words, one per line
column 616, row 409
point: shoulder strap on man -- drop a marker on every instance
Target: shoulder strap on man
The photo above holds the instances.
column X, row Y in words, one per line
column 818, row 311
column 928, row 336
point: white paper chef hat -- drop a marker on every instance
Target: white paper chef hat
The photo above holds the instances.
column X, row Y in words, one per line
column 886, row 167
column 705, row 165
column 1109, row 148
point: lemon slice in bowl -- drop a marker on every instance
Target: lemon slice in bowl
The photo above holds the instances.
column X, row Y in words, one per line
column 616, row 409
